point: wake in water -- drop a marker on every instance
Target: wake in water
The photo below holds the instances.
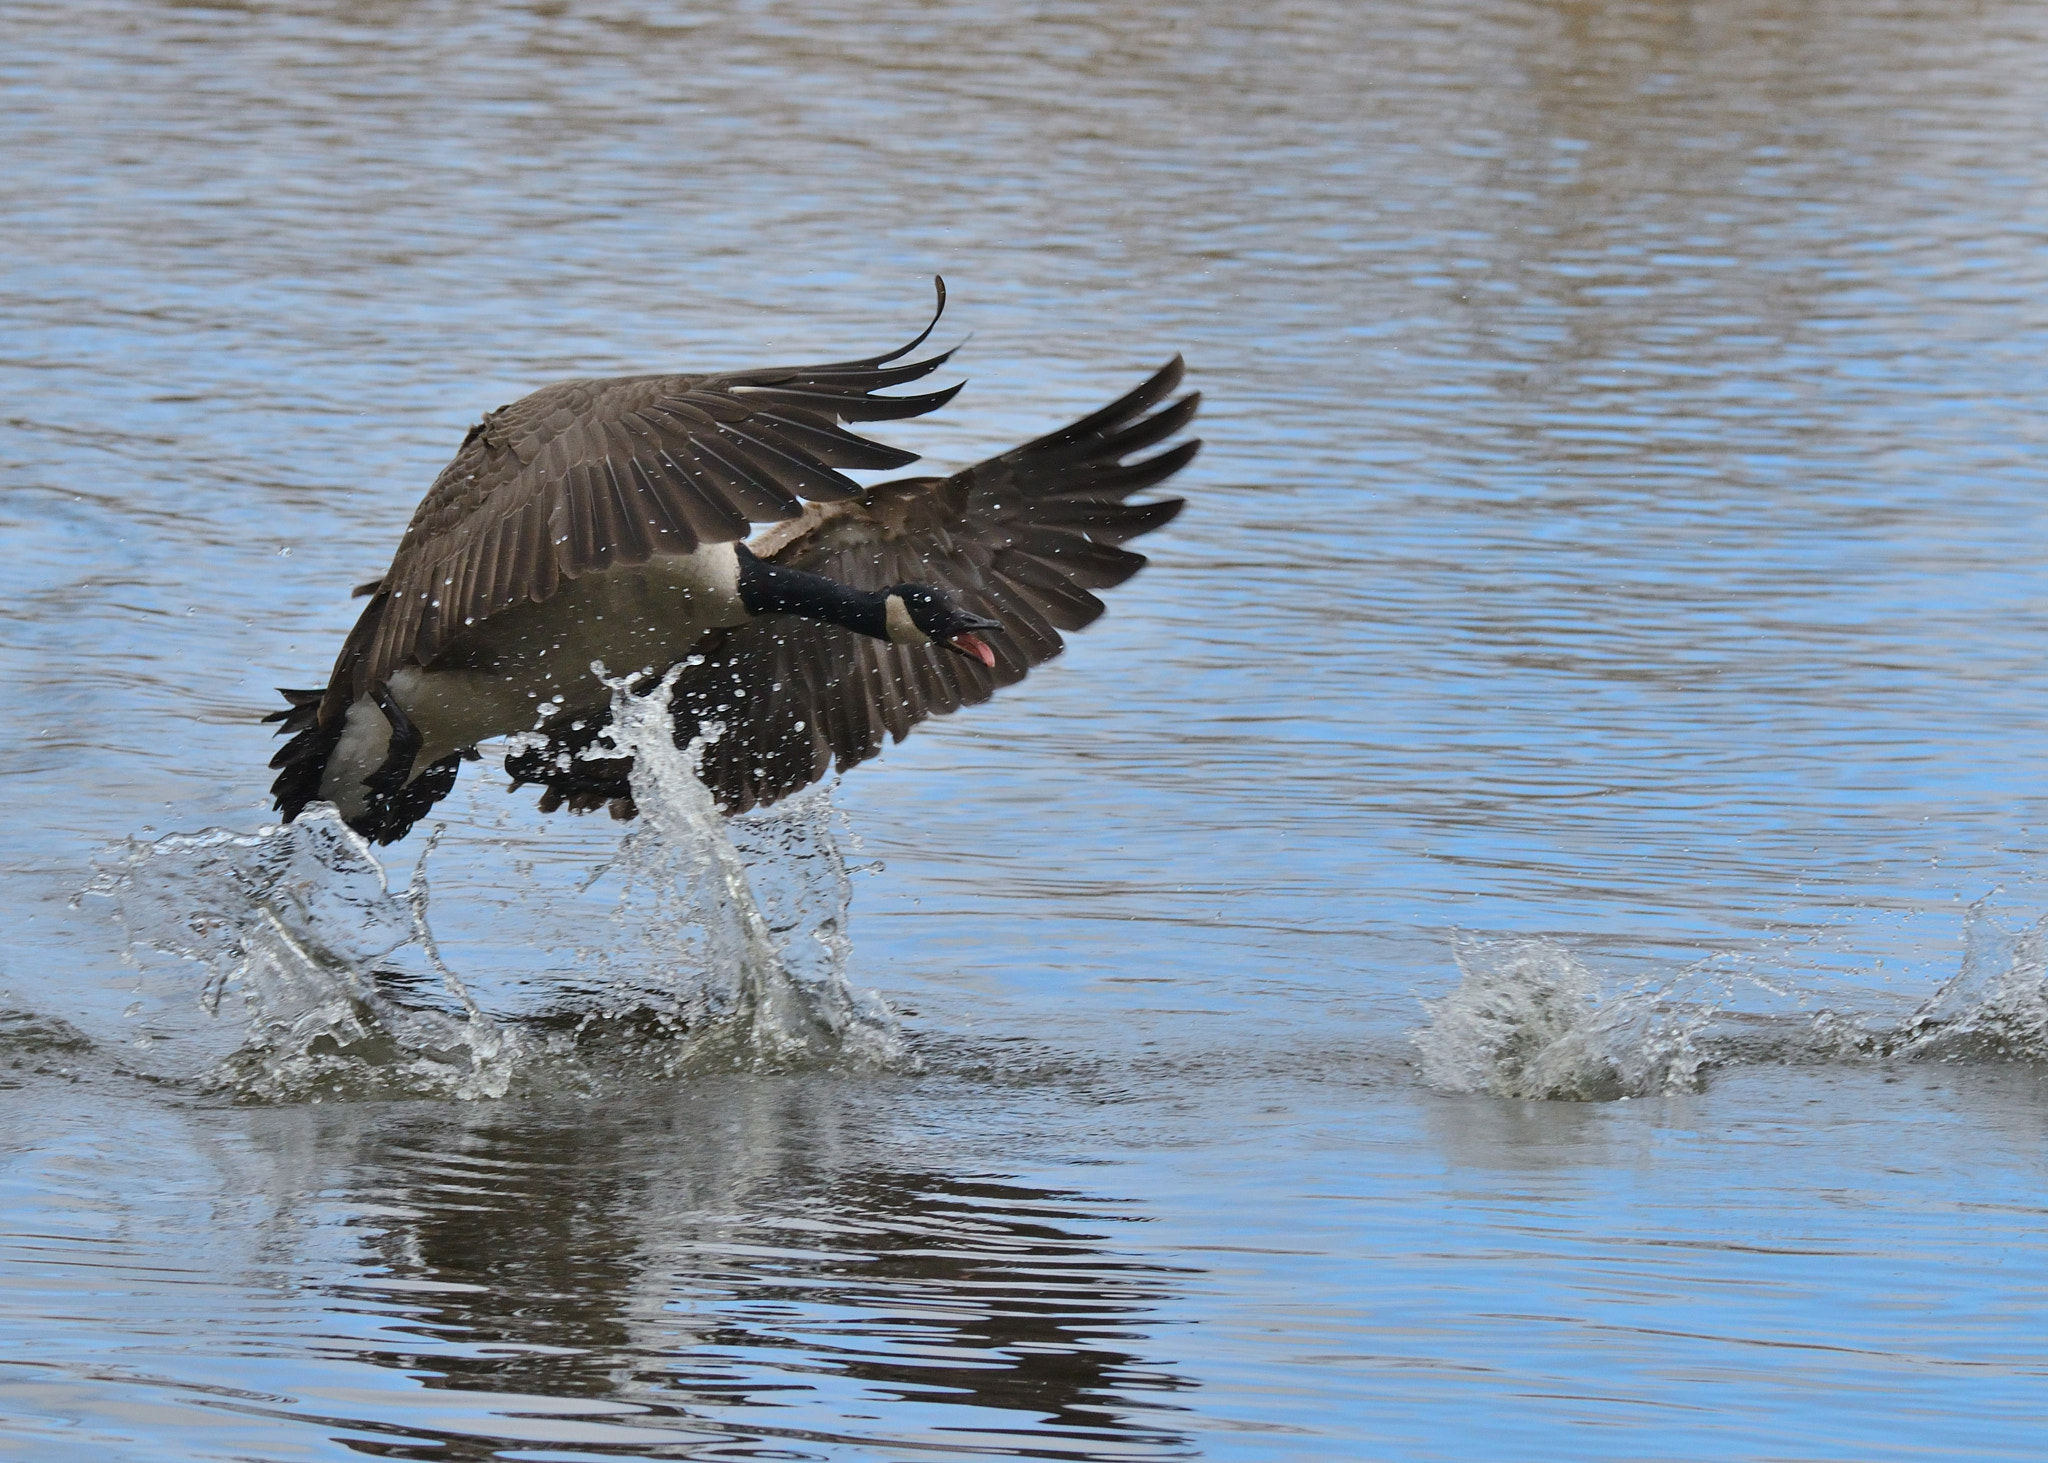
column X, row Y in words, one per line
column 727, row 946
column 1529, row 1019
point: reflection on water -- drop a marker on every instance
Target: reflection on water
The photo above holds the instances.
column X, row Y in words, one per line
column 735, row 1264
column 741, row 1275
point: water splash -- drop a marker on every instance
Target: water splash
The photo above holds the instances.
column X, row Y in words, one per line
column 1995, row 1007
column 1530, row 1019
column 727, row 946
column 293, row 928
column 731, row 930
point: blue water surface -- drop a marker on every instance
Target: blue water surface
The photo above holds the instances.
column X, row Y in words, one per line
column 1608, row 608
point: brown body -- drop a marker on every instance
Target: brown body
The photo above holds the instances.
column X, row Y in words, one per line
column 598, row 521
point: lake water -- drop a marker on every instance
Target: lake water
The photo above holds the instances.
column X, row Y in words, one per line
column 1519, row 936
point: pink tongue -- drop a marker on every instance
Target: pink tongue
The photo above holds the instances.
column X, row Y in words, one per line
column 975, row 646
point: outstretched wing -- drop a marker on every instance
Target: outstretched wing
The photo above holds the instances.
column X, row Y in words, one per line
column 1024, row 538
column 585, row 475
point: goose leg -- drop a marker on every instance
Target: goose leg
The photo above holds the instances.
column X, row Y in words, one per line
column 406, row 742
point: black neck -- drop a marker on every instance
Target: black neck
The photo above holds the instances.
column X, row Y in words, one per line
column 774, row 589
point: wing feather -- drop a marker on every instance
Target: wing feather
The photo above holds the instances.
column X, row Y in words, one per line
column 800, row 434
column 636, row 464
column 1080, row 559
column 1060, row 600
column 849, row 407
column 538, row 567
column 1023, row 538
column 580, row 540
column 586, row 474
column 634, row 539
column 652, row 493
column 722, row 474
column 1111, row 523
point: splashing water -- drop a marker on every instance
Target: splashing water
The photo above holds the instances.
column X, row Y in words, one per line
column 1995, row 1006
column 759, row 904
column 291, row 925
column 1529, row 1019
column 728, row 945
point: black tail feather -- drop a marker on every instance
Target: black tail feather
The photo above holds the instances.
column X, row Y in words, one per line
column 394, row 806
column 302, row 761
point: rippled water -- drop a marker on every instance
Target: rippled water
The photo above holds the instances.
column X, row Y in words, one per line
column 1520, row 936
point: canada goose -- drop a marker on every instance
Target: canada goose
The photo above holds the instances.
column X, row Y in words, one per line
column 606, row 520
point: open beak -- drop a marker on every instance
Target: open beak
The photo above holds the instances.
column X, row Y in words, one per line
column 973, row 645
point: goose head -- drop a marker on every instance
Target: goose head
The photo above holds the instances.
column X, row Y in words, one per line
column 919, row 614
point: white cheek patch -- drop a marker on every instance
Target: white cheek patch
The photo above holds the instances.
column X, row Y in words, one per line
column 902, row 629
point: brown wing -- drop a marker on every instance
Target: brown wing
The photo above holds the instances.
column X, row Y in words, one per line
column 1024, row 538
column 584, row 475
